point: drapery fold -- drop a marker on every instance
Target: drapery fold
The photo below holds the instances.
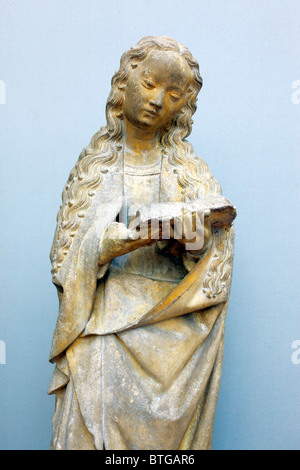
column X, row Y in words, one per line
column 147, row 378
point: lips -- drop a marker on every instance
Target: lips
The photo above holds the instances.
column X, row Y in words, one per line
column 151, row 112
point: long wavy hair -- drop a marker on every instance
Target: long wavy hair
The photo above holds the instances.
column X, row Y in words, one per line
column 104, row 149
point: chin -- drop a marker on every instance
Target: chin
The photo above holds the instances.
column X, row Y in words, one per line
column 146, row 124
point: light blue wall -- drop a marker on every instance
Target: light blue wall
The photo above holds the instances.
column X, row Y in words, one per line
column 56, row 60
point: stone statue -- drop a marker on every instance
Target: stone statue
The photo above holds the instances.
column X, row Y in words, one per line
column 142, row 261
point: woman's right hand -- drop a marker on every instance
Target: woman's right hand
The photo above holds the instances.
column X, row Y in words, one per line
column 118, row 240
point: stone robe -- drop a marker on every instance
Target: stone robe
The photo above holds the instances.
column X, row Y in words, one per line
column 138, row 344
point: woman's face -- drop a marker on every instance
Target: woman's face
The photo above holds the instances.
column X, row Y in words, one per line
column 156, row 90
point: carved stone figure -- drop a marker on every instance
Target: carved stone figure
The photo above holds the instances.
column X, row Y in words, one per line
column 142, row 261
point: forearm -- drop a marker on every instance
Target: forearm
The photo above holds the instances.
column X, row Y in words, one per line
column 117, row 240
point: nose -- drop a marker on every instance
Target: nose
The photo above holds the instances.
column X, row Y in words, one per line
column 158, row 99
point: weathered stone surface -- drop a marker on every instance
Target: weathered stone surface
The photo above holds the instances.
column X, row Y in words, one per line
column 142, row 260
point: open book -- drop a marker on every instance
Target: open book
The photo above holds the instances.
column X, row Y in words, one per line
column 219, row 209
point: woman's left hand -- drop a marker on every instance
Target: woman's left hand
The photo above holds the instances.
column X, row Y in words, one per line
column 196, row 231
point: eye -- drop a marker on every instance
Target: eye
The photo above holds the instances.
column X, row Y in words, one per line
column 175, row 97
column 147, row 84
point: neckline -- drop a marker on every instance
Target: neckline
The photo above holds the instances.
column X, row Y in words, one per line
column 157, row 163
column 142, row 170
column 150, row 169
